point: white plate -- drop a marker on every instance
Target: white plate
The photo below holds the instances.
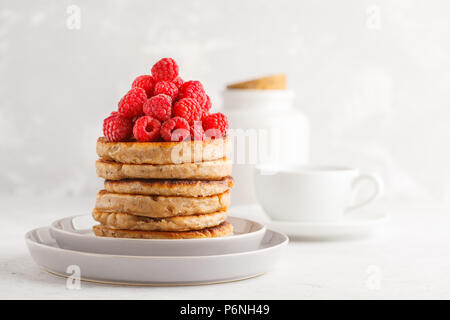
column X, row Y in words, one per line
column 155, row 270
column 75, row 233
column 356, row 225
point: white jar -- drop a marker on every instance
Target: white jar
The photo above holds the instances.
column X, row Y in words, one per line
column 266, row 128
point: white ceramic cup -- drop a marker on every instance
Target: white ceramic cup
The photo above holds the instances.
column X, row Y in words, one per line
column 311, row 193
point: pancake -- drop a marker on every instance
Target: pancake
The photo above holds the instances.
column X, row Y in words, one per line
column 160, row 206
column 206, row 170
column 163, row 152
column 185, row 188
column 119, row 220
column 223, row 229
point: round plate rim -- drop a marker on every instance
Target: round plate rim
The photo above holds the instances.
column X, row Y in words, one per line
column 30, row 241
column 153, row 284
column 338, row 224
column 262, row 228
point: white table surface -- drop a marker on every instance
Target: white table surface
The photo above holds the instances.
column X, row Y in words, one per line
column 409, row 258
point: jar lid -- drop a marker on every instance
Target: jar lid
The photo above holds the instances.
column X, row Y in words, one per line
column 261, row 99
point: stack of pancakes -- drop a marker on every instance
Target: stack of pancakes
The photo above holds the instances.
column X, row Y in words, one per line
column 163, row 190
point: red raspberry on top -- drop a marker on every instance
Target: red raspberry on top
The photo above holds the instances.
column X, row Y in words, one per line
column 207, row 105
column 196, row 131
column 146, row 129
column 175, row 129
column 159, row 107
column 167, row 88
column 215, row 125
column 131, row 104
column 205, row 114
column 165, row 69
column 133, row 120
column 188, row 109
column 117, row 128
column 178, row 82
column 145, row 82
column 194, row 90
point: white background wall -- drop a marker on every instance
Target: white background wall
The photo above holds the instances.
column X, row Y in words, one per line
column 372, row 76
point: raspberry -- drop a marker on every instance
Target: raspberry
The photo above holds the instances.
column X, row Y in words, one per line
column 175, row 129
column 166, row 87
column 159, row 107
column 215, row 125
column 131, row 104
column 117, row 128
column 165, row 69
column 194, row 90
column 205, row 114
column 207, row 105
column 196, row 131
column 134, row 119
column 188, row 109
column 145, row 82
column 146, row 129
column 178, row 82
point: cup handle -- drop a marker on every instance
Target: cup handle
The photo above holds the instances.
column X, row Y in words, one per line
column 376, row 181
